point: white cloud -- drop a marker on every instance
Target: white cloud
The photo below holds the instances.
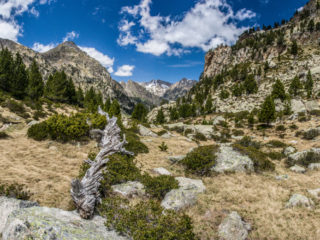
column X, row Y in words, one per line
column 70, row 36
column 34, row 12
column 105, row 60
column 206, row 25
column 300, row 9
column 43, row 48
column 9, row 30
column 125, row 71
column 9, row 10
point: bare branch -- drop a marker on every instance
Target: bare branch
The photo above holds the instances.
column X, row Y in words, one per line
column 85, row 192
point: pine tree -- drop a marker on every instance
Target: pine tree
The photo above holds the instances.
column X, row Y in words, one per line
column 36, row 86
column 250, row 85
column 174, row 115
column 311, row 25
column 6, row 69
column 278, row 90
column 295, row 86
column 294, row 48
column 160, row 119
column 309, row 85
column 115, row 108
column 92, row 100
column 19, row 82
column 80, row 97
column 59, row 88
column 107, row 104
column 209, row 105
column 139, row 112
column 267, row 113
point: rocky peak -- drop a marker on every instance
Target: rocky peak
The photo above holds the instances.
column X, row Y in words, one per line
column 179, row 89
column 157, row 87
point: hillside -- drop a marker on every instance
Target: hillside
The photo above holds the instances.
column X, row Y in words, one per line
column 265, row 54
column 85, row 71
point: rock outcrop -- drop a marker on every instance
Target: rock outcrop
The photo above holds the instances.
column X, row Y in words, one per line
column 186, row 195
column 298, row 200
column 234, row 228
column 129, row 189
column 27, row 221
column 229, row 160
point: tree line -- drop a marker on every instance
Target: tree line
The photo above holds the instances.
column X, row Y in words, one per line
column 28, row 83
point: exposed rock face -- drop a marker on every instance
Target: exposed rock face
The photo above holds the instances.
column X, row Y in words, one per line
column 156, row 87
column 298, row 169
column 175, row 159
column 315, row 193
column 8, row 205
column 281, row 65
column 298, row 200
column 146, row 132
column 140, row 93
column 229, row 160
column 152, row 115
column 129, row 189
column 185, row 195
column 179, row 89
column 289, row 150
column 233, row 228
column 296, row 157
column 85, row 71
column 28, row 222
column 162, row 171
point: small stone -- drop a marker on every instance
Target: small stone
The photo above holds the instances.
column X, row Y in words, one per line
column 233, row 228
column 298, row 169
column 298, row 200
column 129, row 189
column 289, row 150
column 143, row 131
column 175, row 159
column 314, row 166
column 162, row 171
column 282, row 177
column 33, row 122
column 315, row 193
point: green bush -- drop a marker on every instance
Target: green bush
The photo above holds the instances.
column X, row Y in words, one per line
column 162, row 132
column 200, row 160
column 236, row 132
column 276, row 155
column 310, row 157
column 248, row 142
column 315, row 113
column 294, row 127
column 158, row 187
column 178, row 129
column 260, row 160
column 146, row 220
column 134, row 144
column 311, row 134
column 39, row 114
column 16, row 108
column 15, row 191
column 39, row 132
column 63, row 128
column 276, row 144
column 281, row 128
column 200, row 137
column 163, row 147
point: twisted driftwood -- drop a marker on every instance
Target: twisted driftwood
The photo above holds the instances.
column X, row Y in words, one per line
column 85, row 193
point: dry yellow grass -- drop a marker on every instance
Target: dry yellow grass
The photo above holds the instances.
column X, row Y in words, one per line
column 46, row 168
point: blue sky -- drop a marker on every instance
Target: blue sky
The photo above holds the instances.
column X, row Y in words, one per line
column 139, row 39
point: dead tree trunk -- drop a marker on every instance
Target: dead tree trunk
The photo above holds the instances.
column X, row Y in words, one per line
column 85, row 192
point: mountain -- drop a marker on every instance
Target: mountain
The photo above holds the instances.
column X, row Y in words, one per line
column 85, row 71
column 179, row 89
column 156, row 87
column 139, row 93
column 261, row 56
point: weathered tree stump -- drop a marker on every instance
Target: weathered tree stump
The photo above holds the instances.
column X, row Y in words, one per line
column 85, row 192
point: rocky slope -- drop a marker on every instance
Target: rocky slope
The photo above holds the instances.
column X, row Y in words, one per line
column 156, row 87
column 140, row 94
column 267, row 55
column 179, row 89
column 85, row 71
